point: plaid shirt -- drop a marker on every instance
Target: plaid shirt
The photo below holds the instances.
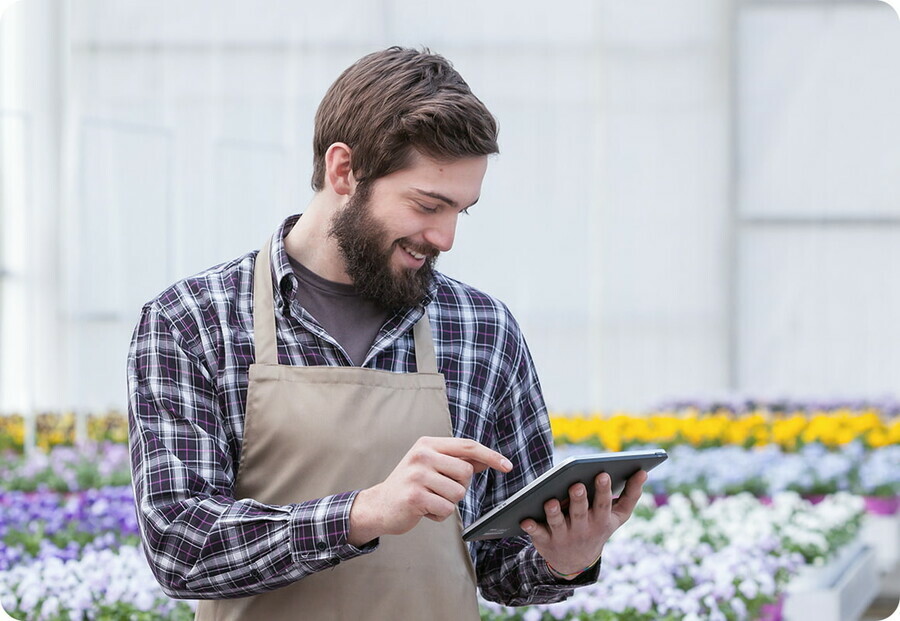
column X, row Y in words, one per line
column 187, row 380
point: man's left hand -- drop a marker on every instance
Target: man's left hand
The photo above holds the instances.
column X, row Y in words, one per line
column 571, row 542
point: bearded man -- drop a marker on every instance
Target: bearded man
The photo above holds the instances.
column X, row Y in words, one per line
column 312, row 425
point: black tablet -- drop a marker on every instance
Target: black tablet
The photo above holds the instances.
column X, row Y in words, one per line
column 504, row 519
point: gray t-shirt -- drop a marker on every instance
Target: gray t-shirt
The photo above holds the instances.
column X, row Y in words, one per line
column 352, row 320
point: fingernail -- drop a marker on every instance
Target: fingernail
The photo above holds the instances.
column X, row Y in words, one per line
column 579, row 491
column 506, row 464
column 528, row 528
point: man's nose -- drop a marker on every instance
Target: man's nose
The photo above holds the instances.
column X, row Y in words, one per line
column 441, row 234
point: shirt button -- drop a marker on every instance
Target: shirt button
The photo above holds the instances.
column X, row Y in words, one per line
column 321, row 546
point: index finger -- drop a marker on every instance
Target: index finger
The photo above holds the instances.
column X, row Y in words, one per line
column 477, row 454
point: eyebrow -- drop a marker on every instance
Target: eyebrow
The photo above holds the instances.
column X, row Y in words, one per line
column 441, row 197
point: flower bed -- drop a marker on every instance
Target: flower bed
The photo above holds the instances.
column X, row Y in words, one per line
column 67, row 469
column 690, row 559
column 704, row 429
column 70, row 551
column 646, row 582
column 102, row 584
column 52, row 429
column 699, row 559
column 42, row 525
column 74, row 555
column 766, row 471
column 789, row 424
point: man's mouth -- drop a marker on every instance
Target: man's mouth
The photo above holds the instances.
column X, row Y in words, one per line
column 416, row 255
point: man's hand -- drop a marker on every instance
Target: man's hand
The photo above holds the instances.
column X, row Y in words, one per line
column 569, row 543
column 428, row 482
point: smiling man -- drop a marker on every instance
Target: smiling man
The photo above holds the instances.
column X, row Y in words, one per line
column 312, row 425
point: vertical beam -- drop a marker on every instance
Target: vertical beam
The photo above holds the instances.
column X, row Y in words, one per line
column 44, row 95
column 733, row 231
column 596, row 204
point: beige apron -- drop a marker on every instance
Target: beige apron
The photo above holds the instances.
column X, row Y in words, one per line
column 310, row 432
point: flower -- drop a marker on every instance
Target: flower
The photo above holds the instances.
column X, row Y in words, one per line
column 705, row 558
column 708, row 425
column 119, row 579
column 767, row 471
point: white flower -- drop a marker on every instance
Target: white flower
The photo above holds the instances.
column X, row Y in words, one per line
column 532, row 614
column 642, row 602
column 749, row 588
column 50, row 607
column 739, row 607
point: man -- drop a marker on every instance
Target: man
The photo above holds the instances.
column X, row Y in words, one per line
column 311, row 425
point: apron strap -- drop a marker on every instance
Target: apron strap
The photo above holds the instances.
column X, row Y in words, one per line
column 264, row 309
column 264, row 320
column 426, row 361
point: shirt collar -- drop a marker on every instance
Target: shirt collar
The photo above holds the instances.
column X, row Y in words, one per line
column 282, row 272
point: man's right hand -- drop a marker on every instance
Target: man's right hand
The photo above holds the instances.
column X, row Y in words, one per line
column 428, row 482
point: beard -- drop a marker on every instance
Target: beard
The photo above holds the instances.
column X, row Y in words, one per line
column 367, row 256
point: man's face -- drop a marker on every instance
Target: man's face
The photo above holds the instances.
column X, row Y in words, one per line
column 391, row 230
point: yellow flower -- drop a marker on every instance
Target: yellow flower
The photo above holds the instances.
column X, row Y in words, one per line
column 877, row 438
column 757, row 428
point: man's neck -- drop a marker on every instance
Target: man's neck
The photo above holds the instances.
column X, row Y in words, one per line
column 309, row 244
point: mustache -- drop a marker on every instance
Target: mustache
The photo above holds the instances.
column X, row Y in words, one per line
column 427, row 249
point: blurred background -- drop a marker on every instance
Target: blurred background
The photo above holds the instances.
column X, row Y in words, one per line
column 695, row 216
column 693, row 199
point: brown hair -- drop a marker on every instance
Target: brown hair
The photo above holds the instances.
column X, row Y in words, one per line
column 390, row 102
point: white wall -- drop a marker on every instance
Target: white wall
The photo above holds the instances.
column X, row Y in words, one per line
column 817, row 199
column 663, row 230
column 654, row 218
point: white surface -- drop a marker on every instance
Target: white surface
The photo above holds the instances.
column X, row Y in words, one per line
column 828, row 335
column 841, row 590
column 819, row 91
column 882, row 534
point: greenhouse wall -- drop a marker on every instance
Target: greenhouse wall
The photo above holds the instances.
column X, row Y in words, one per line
column 692, row 199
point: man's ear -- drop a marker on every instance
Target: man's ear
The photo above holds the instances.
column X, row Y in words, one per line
column 338, row 169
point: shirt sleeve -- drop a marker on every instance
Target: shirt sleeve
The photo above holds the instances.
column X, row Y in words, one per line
column 200, row 541
column 511, row 571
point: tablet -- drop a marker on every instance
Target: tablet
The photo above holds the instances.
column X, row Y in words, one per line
column 504, row 519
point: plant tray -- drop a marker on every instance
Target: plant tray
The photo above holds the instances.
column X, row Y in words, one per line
column 839, row 590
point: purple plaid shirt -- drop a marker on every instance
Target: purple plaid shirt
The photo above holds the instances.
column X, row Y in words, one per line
column 187, row 382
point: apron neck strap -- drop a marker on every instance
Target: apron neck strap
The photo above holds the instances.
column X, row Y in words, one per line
column 264, row 309
column 426, row 361
column 264, row 320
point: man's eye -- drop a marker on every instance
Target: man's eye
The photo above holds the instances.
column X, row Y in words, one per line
column 427, row 208
column 465, row 211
